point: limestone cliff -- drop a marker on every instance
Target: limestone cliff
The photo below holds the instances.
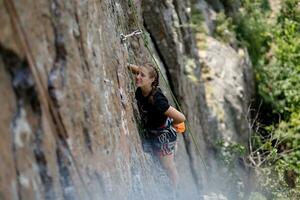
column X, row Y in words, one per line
column 69, row 123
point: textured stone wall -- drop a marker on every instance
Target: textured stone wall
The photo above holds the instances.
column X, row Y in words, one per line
column 167, row 23
column 69, row 123
column 89, row 149
column 69, row 129
column 215, row 101
column 229, row 89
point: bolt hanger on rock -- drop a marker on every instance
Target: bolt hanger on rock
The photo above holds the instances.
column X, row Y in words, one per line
column 134, row 33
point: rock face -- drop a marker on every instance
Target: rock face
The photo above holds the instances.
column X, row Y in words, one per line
column 69, row 123
column 229, row 87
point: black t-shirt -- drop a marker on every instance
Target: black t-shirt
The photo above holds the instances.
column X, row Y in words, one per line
column 152, row 113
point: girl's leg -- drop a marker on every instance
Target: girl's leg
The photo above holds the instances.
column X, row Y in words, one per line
column 168, row 164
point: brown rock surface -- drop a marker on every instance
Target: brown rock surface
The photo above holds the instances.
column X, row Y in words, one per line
column 70, row 130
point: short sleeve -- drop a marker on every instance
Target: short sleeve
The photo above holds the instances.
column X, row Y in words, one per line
column 161, row 102
column 138, row 94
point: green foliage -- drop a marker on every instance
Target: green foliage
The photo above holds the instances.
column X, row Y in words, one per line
column 284, row 75
column 228, row 154
column 279, row 78
column 291, row 10
column 197, row 20
column 229, row 151
column 279, row 182
column 257, row 196
column 288, row 131
column 252, row 29
column 274, row 48
column 224, row 28
column 276, row 161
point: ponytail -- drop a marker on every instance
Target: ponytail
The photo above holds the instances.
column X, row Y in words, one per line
column 153, row 71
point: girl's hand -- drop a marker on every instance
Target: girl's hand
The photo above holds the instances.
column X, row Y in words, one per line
column 133, row 68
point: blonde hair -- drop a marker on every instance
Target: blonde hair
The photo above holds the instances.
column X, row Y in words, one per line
column 153, row 73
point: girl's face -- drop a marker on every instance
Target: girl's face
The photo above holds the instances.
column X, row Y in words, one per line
column 143, row 78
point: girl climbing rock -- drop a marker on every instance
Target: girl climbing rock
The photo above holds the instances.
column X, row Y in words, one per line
column 157, row 116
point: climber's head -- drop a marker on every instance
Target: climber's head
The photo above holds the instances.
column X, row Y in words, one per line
column 147, row 76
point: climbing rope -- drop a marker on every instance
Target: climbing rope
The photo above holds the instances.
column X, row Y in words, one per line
column 145, row 40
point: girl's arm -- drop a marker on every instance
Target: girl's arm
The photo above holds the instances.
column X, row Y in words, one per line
column 133, row 68
column 177, row 116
